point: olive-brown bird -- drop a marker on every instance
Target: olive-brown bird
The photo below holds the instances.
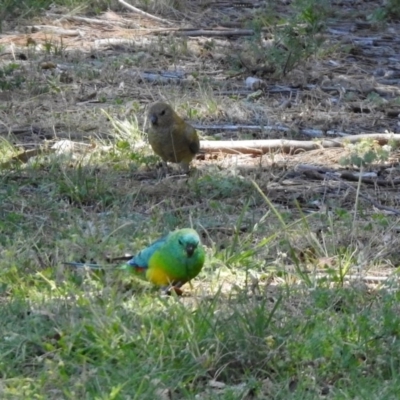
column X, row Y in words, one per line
column 170, row 137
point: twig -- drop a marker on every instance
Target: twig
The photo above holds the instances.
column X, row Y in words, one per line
column 91, row 21
column 383, row 90
column 54, row 29
column 113, row 42
column 318, row 172
column 210, row 32
column 145, row 14
column 371, row 181
column 368, row 278
column 314, row 168
column 364, row 196
column 17, row 130
column 207, row 32
column 240, row 127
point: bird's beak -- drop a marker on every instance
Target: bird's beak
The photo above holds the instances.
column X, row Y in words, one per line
column 153, row 119
column 190, row 248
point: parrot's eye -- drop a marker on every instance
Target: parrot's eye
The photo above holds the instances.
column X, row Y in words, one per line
column 180, row 242
column 162, row 112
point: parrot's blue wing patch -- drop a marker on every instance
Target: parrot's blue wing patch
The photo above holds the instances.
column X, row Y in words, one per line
column 141, row 260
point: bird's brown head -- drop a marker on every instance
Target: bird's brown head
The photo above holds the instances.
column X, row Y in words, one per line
column 161, row 114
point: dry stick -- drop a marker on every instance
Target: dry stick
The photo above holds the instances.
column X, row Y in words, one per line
column 370, row 181
column 210, row 32
column 90, row 21
column 364, row 196
column 54, row 29
column 318, row 172
column 370, row 278
column 21, row 130
column 289, row 146
column 207, row 32
column 316, row 133
column 313, row 168
column 386, row 91
column 145, row 14
column 260, row 147
column 113, row 42
column 240, row 127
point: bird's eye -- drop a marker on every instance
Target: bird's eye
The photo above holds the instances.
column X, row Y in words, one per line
column 180, row 242
column 162, row 112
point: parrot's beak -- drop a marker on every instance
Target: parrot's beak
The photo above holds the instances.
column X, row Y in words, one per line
column 153, row 119
column 190, row 248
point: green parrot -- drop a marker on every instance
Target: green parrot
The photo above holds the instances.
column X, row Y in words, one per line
column 170, row 261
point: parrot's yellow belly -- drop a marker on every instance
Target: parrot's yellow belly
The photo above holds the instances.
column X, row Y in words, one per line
column 158, row 276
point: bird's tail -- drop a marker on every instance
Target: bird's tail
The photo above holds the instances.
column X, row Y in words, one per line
column 98, row 267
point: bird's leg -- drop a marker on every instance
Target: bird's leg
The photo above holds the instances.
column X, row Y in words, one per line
column 174, row 287
column 184, row 167
column 179, row 172
column 163, row 171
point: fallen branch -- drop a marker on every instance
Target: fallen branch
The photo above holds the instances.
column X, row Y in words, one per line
column 384, row 90
column 113, row 42
column 258, row 147
column 143, row 13
column 289, row 146
column 91, row 21
column 204, row 32
column 54, row 29
column 318, row 172
column 241, row 127
column 28, row 129
column 371, row 181
column 302, row 168
column 368, row 278
column 168, row 77
column 216, row 32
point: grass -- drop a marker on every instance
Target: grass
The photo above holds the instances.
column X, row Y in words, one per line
column 273, row 314
column 235, row 334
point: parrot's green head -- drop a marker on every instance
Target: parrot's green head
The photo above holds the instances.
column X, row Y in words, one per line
column 189, row 240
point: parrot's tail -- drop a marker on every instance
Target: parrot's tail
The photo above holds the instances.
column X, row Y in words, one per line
column 97, row 267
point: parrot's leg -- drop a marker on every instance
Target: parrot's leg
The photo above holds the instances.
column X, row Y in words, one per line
column 173, row 287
